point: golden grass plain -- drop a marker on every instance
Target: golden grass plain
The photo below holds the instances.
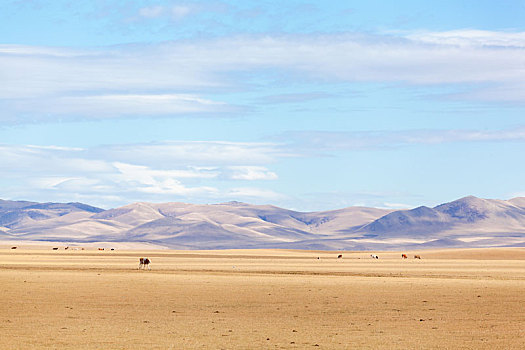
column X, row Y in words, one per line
column 262, row 299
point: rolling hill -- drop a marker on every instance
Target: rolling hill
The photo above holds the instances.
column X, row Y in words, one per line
column 466, row 222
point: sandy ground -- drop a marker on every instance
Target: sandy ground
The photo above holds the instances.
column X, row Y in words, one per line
column 269, row 299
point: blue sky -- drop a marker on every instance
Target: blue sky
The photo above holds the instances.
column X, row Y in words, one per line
column 304, row 105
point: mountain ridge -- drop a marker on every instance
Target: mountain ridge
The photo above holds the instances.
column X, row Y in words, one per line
column 465, row 222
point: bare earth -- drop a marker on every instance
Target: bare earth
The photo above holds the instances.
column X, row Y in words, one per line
column 248, row 299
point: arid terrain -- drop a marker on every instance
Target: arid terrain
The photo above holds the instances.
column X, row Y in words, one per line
column 468, row 222
column 270, row 299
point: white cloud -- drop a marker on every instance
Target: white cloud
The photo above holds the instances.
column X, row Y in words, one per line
column 185, row 159
column 175, row 12
column 198, row 171
column 327, row 141
column 51, row 181
column 151, row 11
column 27, row 160
column 179, row 12
column 251, row 173
column 294, row 98
column 105, row 106
column 177, row 75
column 148, row 173
column 193, row 170
column 194, row 153
column 340, row 199
column 188, row 171
column 252, row 192
column 55, row 148
column 144, row 179
column 471, row 37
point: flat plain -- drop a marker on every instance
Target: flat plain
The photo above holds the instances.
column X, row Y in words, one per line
column 268, row 299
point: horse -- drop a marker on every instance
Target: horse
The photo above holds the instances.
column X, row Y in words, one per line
column 339, row 256
column 143, row 263
column 373, row 256
column 404, row 256
column 417, row 257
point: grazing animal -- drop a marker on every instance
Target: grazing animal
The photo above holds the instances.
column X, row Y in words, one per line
column 417, row 257
column 100, row 248
column 55, row 248
column 14, row 247
column 404, row 256
column 144, row 263
column 339, row 256
column 66, row 248
column 373, row 256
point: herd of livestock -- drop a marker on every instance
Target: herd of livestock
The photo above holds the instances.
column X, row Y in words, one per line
column 340, row 256
column 144, row 263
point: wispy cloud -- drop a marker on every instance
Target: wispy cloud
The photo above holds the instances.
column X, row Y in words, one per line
column 472, row 38
column 175, row 12
column 117, row 105
column 193, row 153
column 340, row 199
column 492, row 62
column 199, row 171
column 203, row 171
column 250, row 173
column 152, row 11
column 328, row 141
column 294, row 97
column 251, row 193
column 159, row 182
column 178, row 12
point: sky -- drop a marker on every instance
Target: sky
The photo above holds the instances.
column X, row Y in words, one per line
column 305, row 105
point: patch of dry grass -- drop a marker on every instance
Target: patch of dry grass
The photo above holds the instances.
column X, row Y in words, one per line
column 262, row 299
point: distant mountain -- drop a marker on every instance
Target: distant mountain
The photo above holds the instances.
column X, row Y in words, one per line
column 18, row 214
column 231, row 225
column 465, row 219
column 466, row 222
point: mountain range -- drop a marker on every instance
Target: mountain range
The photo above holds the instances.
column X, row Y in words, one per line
column 466, row 222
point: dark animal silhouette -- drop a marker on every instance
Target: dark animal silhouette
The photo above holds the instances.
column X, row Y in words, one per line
column 144, row 263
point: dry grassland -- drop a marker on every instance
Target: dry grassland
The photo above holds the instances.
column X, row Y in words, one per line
column 262, row 299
